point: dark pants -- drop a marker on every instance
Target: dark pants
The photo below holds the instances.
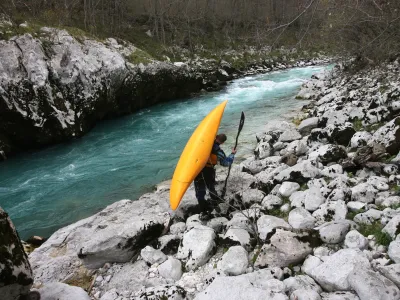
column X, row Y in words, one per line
column 205, row 180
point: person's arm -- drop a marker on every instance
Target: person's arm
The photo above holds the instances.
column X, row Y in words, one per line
column 224, row 160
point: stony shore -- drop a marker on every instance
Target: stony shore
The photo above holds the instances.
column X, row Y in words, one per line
column 315, row 214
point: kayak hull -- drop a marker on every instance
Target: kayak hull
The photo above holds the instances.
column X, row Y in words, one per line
column 195, row 154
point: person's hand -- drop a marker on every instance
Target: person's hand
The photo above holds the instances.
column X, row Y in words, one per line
column 233, row 151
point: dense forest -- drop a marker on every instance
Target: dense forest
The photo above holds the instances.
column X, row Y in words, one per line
column 367, row 28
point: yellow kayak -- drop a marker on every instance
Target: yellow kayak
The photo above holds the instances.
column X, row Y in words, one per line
column 195, row 155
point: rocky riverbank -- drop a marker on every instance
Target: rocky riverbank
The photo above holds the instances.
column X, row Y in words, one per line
column 315, row 214
column 55, row 86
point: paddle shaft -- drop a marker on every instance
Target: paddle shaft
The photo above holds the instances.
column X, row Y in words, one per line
column 242, row 118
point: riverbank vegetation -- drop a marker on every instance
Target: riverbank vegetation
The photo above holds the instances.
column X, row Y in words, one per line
column 368, row 30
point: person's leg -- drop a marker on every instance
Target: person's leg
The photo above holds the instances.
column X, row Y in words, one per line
column 210, row 183
column 200, row 188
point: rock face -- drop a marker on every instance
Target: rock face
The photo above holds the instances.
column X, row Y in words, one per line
column 15, row 271
column 116, row 234
column 55, row 87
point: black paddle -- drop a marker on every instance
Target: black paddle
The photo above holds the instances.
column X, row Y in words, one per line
column 237, row 137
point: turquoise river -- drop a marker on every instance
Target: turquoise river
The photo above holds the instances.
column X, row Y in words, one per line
column 124, row 158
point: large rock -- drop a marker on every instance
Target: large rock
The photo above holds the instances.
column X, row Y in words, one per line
column 307, row 125
column 301, row 218
column 197, row 246
column 333, row 273
column 15, row 271
column 130, row 277
column 303, row 282
column 388, row 136
column 394, row 251
column 340, row 133
column 266, row 223
column 328, row 153
column 371, row 285
column 284, row 248
column 334, row 232
column 117, row 233
column 171, row 268
column 237, row 288
column 299, row 173
column 61, row 291
column 234, row 261
column 152, row 256
column 391, row 272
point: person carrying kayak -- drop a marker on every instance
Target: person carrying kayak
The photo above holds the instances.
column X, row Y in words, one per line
column 206, row 178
